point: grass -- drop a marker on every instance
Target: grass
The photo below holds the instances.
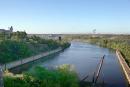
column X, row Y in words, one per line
column 63, row 76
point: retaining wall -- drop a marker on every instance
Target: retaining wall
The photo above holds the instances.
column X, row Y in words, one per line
column 124, row 65
column 29, row 59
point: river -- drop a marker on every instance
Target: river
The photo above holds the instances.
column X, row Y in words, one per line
column 85, row 58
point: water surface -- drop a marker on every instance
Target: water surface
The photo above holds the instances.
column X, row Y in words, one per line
column 85, row 58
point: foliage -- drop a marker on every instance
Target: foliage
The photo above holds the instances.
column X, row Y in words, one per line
column 14, row 82
column 53, row 44
column 64, row 45
column 13, row 50
column 20, row 46
column 121, row 45
column 41, row 77
column 18, row 35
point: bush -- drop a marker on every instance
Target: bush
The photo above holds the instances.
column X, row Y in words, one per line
column 13, row 50
column 41, row 77
column 123, row 46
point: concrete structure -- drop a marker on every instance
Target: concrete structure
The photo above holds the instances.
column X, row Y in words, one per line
column 29, row 59
column 6, row 32
column 124, row 66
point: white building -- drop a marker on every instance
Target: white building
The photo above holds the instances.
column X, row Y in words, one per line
column 7, row 32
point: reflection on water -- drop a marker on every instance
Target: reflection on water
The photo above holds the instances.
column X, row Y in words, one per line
column 85, row 57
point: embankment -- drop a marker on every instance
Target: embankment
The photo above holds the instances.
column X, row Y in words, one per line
column 124, row 65
column 29, row 59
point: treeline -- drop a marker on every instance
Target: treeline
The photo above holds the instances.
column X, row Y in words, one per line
column 19, row 46
column 49, row 42
column 120, row 44
column 63, row 76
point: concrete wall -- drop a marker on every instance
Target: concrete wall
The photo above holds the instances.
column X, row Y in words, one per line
column 124, row 65
column 29, row 59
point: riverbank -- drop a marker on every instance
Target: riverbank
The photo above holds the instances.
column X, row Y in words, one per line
column 14, row 49
column 124, row 65
column 122, row 46
column 62, row 76
column 84, row 62
column 29, row 59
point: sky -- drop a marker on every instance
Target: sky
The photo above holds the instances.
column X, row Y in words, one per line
column 66, row 16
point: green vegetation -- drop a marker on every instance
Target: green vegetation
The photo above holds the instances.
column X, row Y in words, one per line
column 63, row 76
column 13, row 50
column 118, row 43
column 19, row 46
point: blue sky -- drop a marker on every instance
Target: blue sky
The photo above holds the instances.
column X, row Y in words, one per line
column 66, row 16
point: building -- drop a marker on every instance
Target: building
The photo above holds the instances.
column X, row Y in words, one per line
column 7, row 32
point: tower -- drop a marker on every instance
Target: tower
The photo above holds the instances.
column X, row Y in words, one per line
column 11, row 29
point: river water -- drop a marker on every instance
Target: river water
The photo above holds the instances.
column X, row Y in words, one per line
column 85, row 58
